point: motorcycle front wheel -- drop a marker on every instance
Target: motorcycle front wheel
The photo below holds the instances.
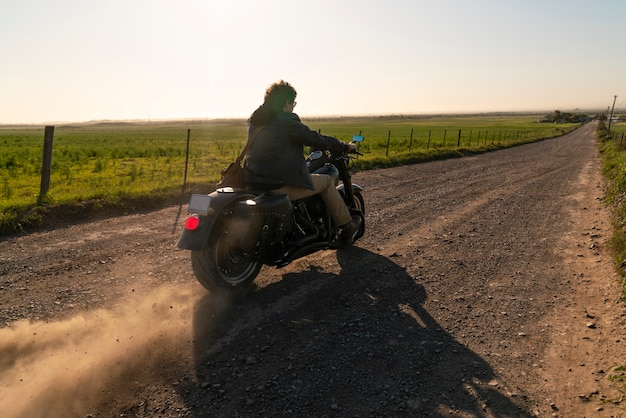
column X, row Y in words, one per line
column 221, row 265
column 359, row 204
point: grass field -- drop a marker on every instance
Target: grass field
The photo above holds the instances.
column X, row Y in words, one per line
column 114, row 164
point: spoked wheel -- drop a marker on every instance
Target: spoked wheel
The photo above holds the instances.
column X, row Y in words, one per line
column 221, row 265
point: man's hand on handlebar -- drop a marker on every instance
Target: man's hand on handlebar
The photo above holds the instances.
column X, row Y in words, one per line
column 351, row 148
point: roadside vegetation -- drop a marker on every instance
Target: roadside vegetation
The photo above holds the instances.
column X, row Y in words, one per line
column 119, row 167
column 612, row 145
column 613, row 151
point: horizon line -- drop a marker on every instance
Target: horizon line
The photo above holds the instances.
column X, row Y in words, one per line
column 320, row 116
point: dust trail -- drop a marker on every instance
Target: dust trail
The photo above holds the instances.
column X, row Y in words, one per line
column 61, row 368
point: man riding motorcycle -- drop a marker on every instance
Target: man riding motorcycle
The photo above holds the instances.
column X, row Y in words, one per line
column 275, row 160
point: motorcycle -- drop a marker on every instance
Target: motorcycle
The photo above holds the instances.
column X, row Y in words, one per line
column 233, row 232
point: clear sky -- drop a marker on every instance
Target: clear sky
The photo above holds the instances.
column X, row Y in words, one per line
column 81, row 60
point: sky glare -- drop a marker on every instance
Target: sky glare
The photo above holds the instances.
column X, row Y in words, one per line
column 82, row 60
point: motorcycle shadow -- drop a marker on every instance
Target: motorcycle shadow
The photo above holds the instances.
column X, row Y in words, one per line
column 360, row 342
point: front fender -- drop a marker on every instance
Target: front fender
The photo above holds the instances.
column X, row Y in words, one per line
column 355, row 188
column 207, row 209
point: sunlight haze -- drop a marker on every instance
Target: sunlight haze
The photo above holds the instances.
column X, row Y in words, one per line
column 74, row 61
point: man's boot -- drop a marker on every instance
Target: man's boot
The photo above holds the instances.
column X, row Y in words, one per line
column 349, row 230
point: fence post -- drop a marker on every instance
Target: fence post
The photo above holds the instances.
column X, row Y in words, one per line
column 458, row 143
column 46, row 167
column 388, row 139
column 428, row 146
column 186, row 159
column 411, row 140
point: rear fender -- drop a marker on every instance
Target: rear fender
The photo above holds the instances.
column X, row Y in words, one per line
column 207, row 209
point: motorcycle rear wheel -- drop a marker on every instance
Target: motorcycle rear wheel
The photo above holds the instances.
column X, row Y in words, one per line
column 220, row 265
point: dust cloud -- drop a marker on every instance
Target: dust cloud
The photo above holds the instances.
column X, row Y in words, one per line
column 63, row 368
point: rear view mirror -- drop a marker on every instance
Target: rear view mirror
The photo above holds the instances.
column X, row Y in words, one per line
column 358, row 138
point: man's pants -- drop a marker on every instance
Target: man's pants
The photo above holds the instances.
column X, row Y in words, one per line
column 324, row 186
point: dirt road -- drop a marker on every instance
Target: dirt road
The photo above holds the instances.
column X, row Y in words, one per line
column 482, row 288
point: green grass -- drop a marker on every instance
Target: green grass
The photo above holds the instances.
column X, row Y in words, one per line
column 128, row 166
column 613, row 151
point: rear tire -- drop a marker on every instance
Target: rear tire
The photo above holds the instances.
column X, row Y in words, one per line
column 220, row 265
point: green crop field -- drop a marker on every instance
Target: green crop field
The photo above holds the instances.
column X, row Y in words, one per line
column 113, row 163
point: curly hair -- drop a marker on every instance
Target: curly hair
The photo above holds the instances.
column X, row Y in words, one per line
column 279, row 94
column 276, row 97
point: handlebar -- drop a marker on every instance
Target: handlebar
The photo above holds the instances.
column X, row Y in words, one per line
column 353, row 149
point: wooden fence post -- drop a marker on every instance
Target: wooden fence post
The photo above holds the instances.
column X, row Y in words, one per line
column 411, row 140
column 186, row 160
column 46, row 167
column 458, row 143
column 388, row 140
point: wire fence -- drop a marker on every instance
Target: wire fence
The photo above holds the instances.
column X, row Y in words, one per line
column 121, row 161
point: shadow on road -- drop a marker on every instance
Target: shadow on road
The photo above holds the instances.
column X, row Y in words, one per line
column 355, row 344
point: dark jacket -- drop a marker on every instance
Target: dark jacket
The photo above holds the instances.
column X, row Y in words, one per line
column 276, row 157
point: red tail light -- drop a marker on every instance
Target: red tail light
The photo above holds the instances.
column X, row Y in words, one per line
column 192, row 223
